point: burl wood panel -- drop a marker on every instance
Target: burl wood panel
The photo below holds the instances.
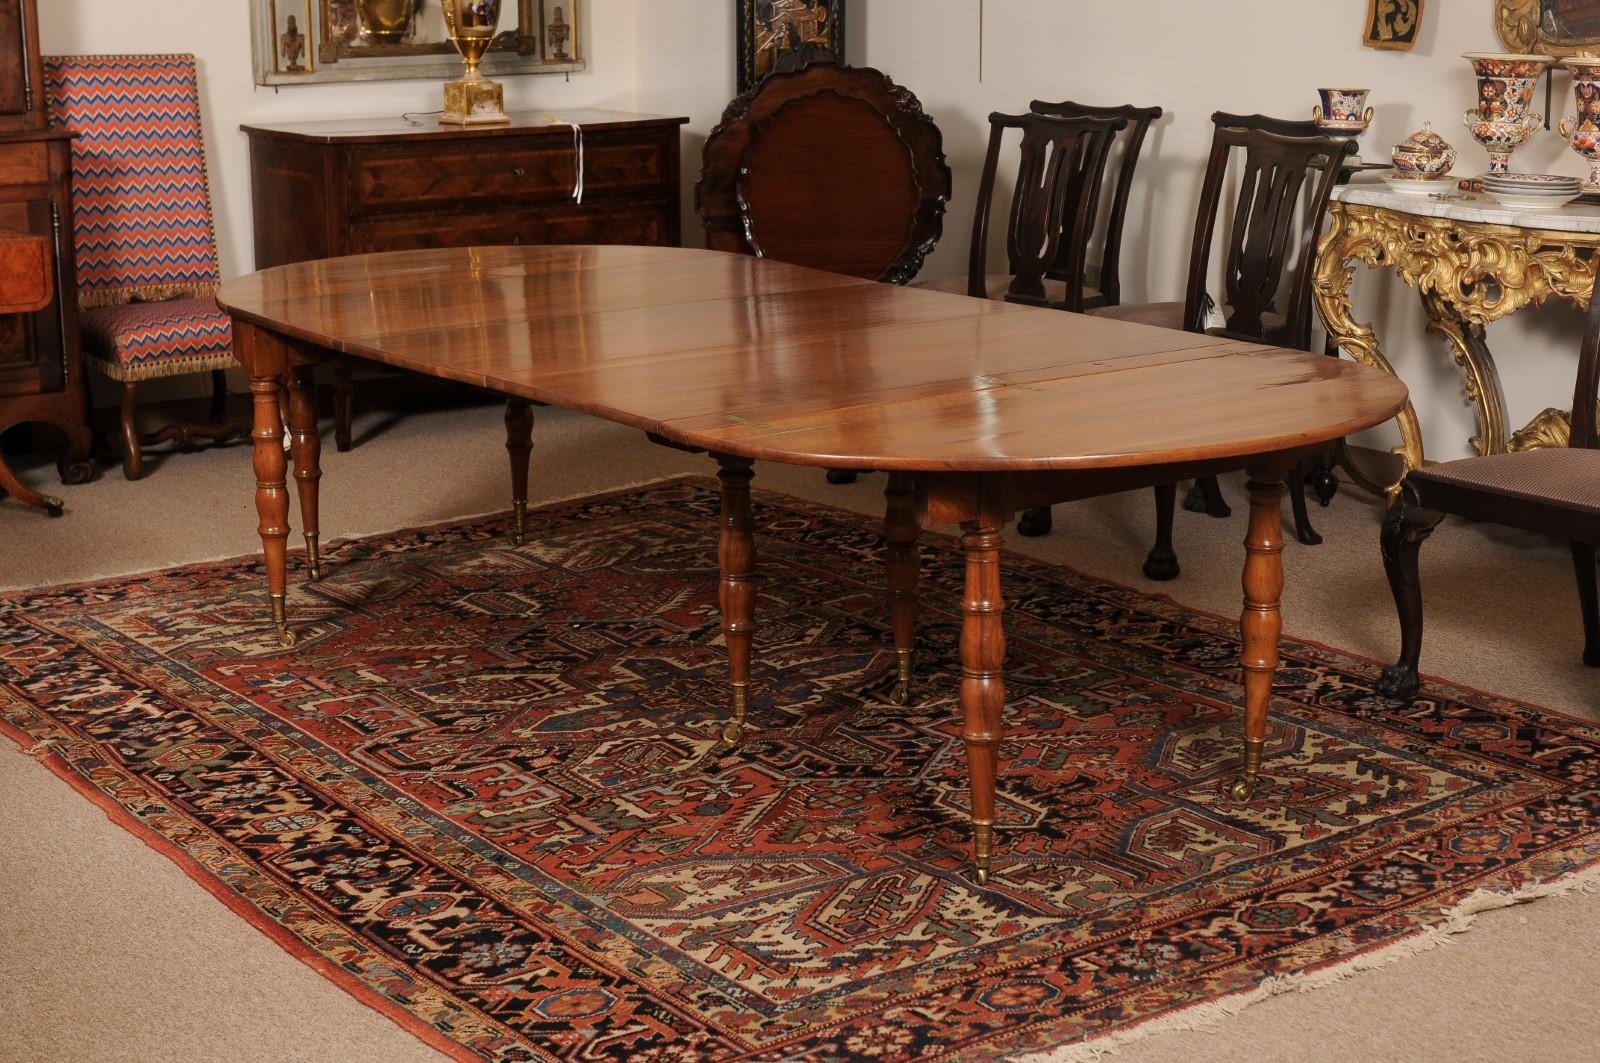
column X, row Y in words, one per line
column 26, row 265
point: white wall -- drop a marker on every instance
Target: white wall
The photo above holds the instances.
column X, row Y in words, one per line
column 677, row 57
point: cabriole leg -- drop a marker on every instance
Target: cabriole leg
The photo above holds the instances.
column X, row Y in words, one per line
column 736, row 555
column 1261, row 625
column 1405, row 527
column 904, row 563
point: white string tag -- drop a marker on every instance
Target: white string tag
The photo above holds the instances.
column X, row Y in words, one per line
column 577, row 146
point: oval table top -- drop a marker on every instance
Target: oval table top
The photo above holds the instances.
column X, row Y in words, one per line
column 759, row 359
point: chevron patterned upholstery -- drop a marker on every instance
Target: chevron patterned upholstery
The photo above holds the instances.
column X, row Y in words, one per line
column 146, row 246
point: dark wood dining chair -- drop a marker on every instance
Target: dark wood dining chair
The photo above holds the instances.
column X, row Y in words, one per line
column 1553, row 491
column 830, row 166
column 1284, row 183
column 1053, row 210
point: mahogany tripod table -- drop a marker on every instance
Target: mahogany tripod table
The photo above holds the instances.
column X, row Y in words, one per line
column 976, row 409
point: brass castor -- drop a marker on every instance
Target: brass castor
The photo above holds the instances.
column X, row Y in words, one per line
column 1243, row 790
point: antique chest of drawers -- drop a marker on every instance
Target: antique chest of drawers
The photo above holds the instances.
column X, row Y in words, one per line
column 324, row 189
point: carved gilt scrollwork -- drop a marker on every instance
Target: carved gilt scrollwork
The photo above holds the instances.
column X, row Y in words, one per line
column 1517, row 22
column 1469, row 274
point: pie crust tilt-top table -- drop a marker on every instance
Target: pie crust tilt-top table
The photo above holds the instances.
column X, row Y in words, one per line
column 976, row 409
column 1473, row 261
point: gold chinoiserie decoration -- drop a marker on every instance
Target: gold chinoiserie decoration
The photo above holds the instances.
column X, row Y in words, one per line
column 474, row 99
column 1468, row 275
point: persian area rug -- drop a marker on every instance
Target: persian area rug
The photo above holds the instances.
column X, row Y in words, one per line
column 485, row 793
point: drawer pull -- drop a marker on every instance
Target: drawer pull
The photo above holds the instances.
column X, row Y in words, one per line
column 519, row 172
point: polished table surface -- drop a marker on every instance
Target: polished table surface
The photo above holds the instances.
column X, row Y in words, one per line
column 977, row 408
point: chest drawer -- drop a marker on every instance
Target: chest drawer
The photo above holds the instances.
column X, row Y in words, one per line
column 513, row 170
column 24, row 164
column 628, row 224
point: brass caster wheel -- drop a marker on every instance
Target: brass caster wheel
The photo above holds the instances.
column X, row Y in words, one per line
column 53, row 506
column 1243, row 790
column 732, row 732
column 901, row 694
column 287, row 639
column 980, row 875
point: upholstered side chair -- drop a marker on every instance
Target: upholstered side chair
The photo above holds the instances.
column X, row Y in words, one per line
column 143, row 231
column 1552, row 491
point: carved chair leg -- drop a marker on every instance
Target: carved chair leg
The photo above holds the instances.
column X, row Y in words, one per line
column 1304, row 533
column 344, row 404
column 307, row 448
column 272, row 497
column 1405, row 527
column 983, row 694
column 519, row 444
column 903, row 562
column 132, row 455
column 1583, row 560
column 841, row 476
column 1035, row 522
column 736, row 556
column 1261, row 624
column 1162, row 564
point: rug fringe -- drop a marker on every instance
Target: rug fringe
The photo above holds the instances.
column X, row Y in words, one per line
column 1211, row 1015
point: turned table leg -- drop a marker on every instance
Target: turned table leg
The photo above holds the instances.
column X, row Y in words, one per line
column 272, row 496
column 903, row 563
column 983, row 693
column 1261, row 624
column 519, row 444
column 736, row 555
column 307, row 448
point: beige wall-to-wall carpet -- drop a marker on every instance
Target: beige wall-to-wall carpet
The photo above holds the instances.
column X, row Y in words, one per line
column 453, row 441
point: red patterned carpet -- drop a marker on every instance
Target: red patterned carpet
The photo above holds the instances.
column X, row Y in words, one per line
column 485, row 794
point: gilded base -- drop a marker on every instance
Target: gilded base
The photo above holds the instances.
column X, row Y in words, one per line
column 313, row 557
column 733, row 730
column 982, row 849
column 1245, row 788
column 478, row 101
column 280, row 620
column 519, row 525
column 901, row 695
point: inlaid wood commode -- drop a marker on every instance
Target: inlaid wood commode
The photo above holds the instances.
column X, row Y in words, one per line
column 329, row 188
column 976, row 409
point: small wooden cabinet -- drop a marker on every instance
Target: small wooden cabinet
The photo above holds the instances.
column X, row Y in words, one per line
column 41, row 362
column 325, row 189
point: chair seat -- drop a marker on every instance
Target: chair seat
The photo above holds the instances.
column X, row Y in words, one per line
column 141, row 341
column 997, row 284
column 1555, row 481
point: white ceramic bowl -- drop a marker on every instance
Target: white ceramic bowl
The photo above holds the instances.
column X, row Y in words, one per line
column 1511, row 199
column 1408, row 185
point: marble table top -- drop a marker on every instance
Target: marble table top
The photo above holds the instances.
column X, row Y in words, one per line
column 1456, row 205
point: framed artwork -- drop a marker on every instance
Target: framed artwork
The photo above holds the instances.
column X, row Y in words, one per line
column 300, row 42
column 767, row 30
column 1393, row 24
column 1548, row 27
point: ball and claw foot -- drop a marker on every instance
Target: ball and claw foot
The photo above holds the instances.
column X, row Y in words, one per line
column 1195, row 500
column 1161, row 566
column 1399, row 681
column 1325, row 484
column 1243, row 790
column 1035, row 522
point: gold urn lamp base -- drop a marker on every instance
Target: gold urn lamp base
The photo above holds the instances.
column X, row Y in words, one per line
column 474, row 100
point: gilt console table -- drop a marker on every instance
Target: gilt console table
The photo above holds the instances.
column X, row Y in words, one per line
column 977, row 409
column 322, row 189
column 1473, row 261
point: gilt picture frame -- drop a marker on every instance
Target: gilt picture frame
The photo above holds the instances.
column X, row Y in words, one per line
column 768, row 30
column 1393, row 25
column 1548, row 27
column 536, row 37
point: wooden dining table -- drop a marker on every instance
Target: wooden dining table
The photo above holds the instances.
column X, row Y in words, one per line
column 976, row 409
